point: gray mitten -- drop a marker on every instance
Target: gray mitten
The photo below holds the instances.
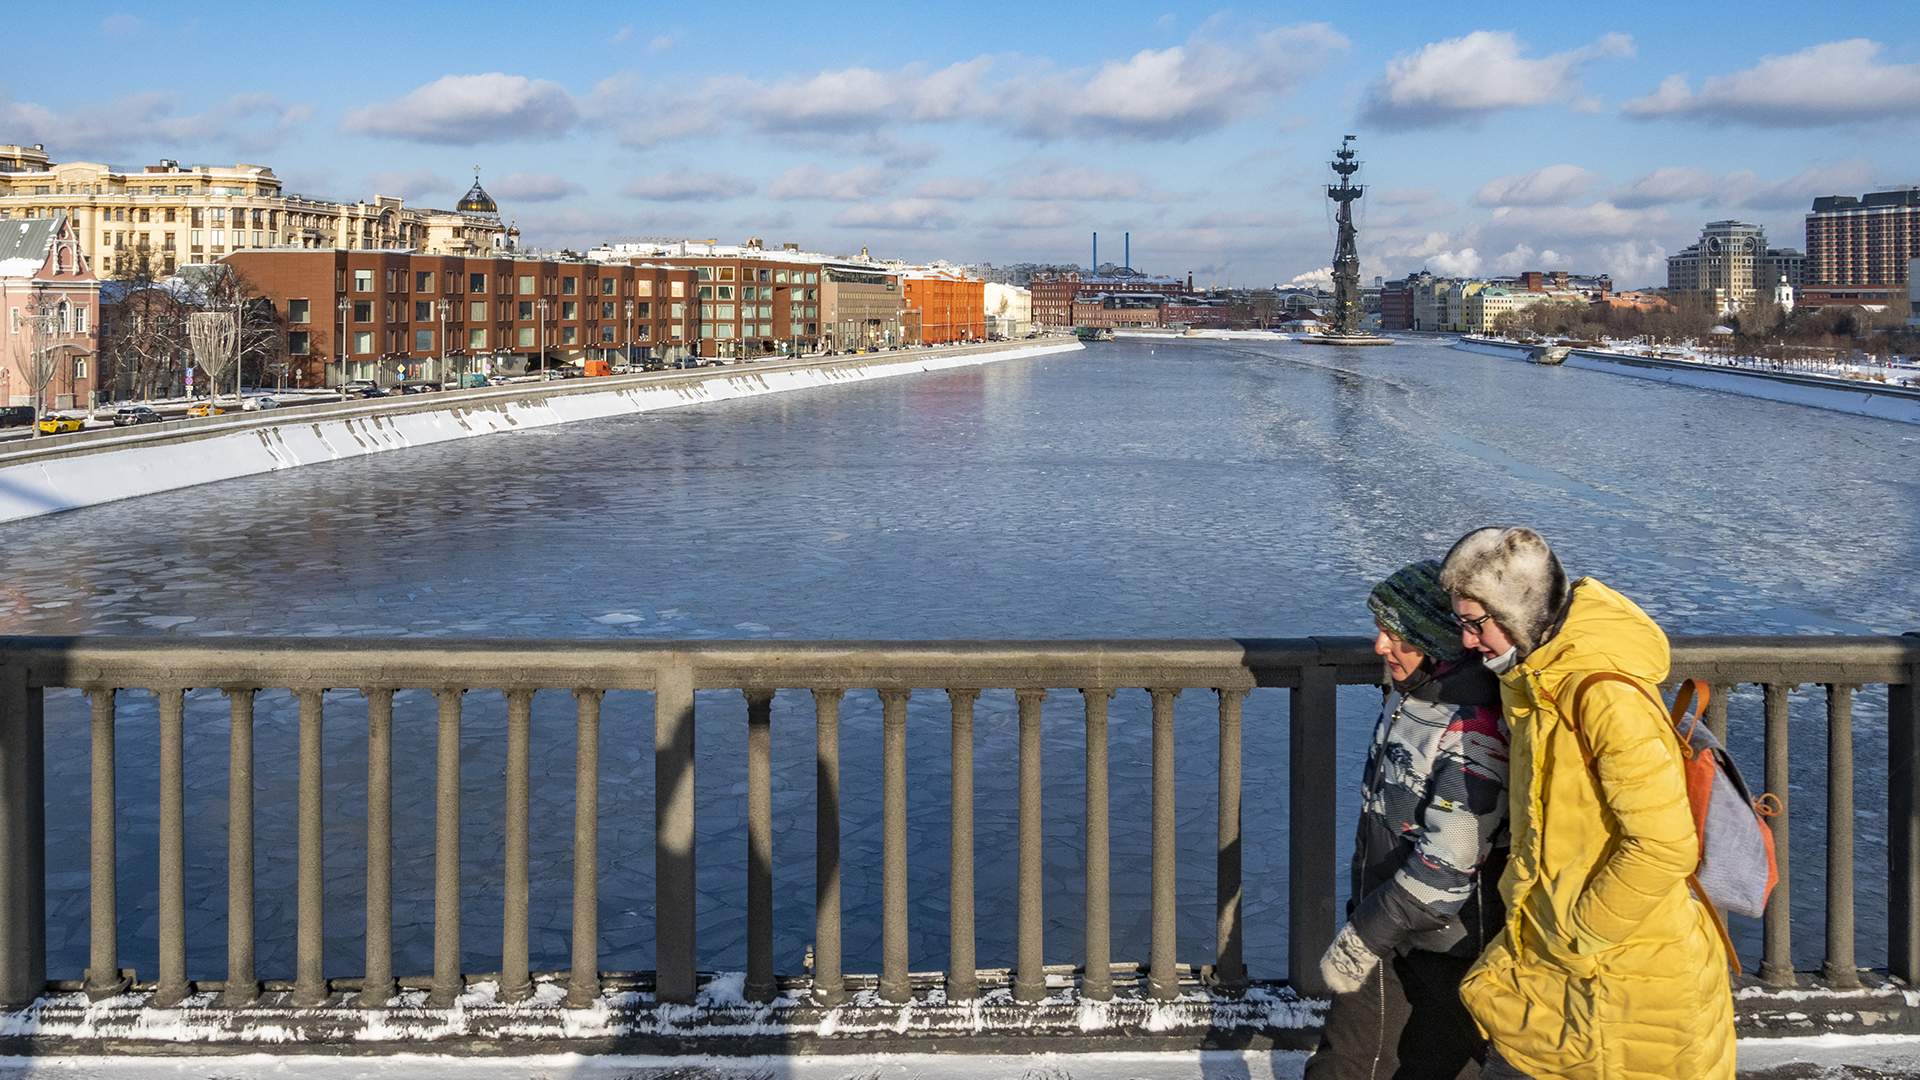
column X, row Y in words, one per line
column 1348, row 962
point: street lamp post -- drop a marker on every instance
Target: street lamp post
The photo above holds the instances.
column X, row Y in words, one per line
column 540, row 335
column 446, row 310
column 629, row 348
column 345, row 305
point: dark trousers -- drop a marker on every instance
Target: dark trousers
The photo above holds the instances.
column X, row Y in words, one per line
column 1406, row 1023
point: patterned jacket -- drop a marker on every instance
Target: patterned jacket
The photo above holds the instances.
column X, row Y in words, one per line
column 1432, row 838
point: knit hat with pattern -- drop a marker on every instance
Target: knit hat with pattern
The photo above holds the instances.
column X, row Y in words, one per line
column 1412, row 604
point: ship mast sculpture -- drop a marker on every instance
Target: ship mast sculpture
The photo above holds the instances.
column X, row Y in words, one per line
column 1345, row 329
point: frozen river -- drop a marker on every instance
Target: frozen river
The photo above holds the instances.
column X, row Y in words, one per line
column 1136, row 489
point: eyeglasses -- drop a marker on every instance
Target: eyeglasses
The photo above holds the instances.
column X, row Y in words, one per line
column 1475, row 626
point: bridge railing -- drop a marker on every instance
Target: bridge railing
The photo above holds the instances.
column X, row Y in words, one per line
column 1311, row 670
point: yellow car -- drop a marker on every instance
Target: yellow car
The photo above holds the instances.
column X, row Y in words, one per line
column 206, row 408
column 61, row 423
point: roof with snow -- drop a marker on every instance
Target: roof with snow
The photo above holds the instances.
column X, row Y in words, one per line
column 24, row 244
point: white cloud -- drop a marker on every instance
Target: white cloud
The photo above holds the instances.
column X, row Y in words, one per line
column 1839, row 82
column 621, row 36
column 1076, row 182
column 466, row 109
column 1465, row 78
column 905, row 214
column 1214, row 78
column 854, row 98
column 957, row 188
column 121, row 24
column 847, row 185
column 662, row 42
column 683, row 185
column 1669, row 184
column 1553, row 185
column 1600, row 220
column 244, row 122
column 1462, row 263
column 532, row 187
column 1799, row 190
column 409, row 183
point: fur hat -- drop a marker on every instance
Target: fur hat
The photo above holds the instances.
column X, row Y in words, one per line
column 1412, row 604
column 1514, row 575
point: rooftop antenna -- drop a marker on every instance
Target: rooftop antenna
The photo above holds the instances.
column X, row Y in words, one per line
column 1126, row 250
column 1095, row 268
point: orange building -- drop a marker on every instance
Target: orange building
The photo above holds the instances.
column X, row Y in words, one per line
column 944, row 307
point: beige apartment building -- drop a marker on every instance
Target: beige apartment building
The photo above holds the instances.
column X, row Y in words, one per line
column 172, row 215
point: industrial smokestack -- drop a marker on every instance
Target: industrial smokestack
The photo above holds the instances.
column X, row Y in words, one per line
column 1126, row 250
column 1095, row 268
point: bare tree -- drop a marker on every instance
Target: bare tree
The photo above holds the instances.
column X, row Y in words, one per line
column 145, row 334
column 46, row 324
column 260, row 340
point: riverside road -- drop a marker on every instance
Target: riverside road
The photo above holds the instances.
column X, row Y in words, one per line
column 1180, row 489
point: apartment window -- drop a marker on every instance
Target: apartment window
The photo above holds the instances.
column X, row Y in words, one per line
column 476, row 339
column 394, row 282
column 643, row 288
column 363, row 341
column 423, row 310
column 569, row 286
column 706, row 311
column 146, row 214
column 363, row 311
column 679, row 311
column 779, row 277
column 569, row 334
column 606, row 334
column 679, row 288
column 724, row 332
column 706, row 292
column 750, row 292
column 606, row 309
column 219, row 237
column 765, row 275
column 477, row 310
column 423, row 281
column 766, row 311
column 642, row 332
column 526, row 284
column 423, row 341
column 643, row 309
column 80, row 320
column 219, row 214
column 706, row 330
column 79, row 367
column 569, row 309
column 726, row 273
column 300, row 342
column 363, row 281
column 723, row 311
column 171, row 214
column 705, row 273
column 526, row 310
column 526, row 337
column 300, row 312
column 476, row 283
column 606, row 286
column 813, row 278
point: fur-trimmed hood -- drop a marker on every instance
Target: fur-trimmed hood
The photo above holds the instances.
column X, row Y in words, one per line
column 1515, row 576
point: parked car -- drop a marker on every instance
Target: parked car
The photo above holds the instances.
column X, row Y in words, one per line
column 61, row 423
column 129, row 415
column 417, row 388
column 16, row 416
column 687, row 362
column 498, row 380
column 473, row 378
column 266, row 403
column 363, row 388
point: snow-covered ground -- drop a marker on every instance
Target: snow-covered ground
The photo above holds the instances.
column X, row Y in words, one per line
column 1833, row 1056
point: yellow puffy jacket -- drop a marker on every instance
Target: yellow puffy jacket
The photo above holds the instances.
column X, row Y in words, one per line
column 1608, row 966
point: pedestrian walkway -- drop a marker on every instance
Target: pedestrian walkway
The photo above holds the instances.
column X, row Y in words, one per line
column 1824, row 1058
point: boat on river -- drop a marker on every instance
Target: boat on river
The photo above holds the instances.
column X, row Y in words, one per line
column 1093, row 333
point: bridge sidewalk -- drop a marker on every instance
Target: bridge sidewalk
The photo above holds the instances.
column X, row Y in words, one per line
column 1822, row 1057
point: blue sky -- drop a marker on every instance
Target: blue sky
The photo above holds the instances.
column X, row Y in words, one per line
column 1496, row 138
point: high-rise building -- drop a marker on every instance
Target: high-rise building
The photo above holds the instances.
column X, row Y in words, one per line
column 169, row 215
column 1861, row 247
column 1731, row 264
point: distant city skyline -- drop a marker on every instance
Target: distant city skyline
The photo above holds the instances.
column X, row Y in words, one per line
column 1008, row 133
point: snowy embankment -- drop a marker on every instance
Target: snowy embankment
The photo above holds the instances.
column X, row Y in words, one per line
column 1207, row 335
column 88, row 470
column 1860, row 398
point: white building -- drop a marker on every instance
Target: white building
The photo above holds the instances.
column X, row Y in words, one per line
column 1009, row 310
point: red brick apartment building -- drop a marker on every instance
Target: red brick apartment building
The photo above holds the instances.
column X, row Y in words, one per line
column 392, row 316
column 1054, row 295
column 750, row 304
column 1858, row 249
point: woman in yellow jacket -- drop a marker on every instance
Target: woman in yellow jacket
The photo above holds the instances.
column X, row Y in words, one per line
column 1609, row 966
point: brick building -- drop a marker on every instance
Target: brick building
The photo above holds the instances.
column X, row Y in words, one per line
column 753, row 300
column 943, row 307
column 50, row 304
column 1109, row 311
column 1054, row 295
column 393, row 316
column 1858, row 249
column 1396, row 305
